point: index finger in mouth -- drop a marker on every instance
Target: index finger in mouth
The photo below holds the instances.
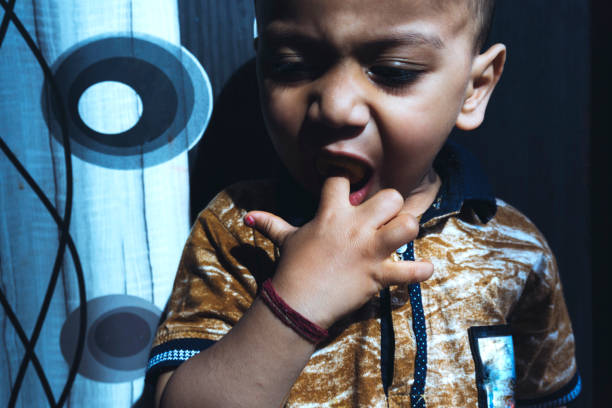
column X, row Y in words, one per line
column 335, row 191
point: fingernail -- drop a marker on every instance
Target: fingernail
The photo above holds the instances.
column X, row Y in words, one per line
column 249, row 220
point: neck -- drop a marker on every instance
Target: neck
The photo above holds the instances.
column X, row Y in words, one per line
column 421, row 198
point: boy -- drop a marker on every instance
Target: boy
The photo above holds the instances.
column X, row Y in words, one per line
column 287, row 293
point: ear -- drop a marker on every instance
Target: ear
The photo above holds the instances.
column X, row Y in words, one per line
column 487, row 68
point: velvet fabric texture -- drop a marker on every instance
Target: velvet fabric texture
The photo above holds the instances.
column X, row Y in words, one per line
column 500, row 272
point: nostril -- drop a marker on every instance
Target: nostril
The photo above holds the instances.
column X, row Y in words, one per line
column 324, row 128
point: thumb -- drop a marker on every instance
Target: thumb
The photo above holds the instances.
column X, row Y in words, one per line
column 270, row 225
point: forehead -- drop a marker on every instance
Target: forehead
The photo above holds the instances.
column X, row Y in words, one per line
column 336, row 19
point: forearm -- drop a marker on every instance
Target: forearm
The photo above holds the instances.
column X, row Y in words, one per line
column 254, row 365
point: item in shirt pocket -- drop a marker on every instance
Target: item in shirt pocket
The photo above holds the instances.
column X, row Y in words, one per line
column 493, row 354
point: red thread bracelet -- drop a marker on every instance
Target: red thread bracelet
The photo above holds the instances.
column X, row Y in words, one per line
column 301, row 325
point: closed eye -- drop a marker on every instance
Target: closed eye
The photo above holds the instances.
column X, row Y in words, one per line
column 392, row 76
column 289, row 69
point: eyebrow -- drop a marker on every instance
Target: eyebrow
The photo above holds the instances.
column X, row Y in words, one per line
column 409, row 38
column 288, row 35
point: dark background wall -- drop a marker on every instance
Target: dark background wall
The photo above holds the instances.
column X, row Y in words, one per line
column 534, row 143
column 601, row 185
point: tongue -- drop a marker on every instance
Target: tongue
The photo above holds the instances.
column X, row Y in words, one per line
column 354, row 170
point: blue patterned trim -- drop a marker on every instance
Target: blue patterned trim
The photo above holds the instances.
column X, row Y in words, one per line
column 562, row 397
column 387, row 340
column 168, row 356
column 417, row 391
column 171, row 355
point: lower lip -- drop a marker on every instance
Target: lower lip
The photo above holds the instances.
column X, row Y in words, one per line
column 359, row 196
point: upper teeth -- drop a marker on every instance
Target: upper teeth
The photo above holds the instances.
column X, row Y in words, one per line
column 356, row 170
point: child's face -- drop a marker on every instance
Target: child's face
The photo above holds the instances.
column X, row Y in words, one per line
column 371, row 87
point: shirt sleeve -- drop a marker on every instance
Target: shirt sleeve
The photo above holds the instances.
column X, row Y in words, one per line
column 217, row 280
column 546, row 374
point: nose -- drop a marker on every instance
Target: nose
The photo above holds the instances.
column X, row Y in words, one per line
column 338, row 98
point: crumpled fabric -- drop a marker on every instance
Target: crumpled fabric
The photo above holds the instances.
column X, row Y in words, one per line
column 498, row 273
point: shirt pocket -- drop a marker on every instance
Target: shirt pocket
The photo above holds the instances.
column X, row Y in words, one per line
column 493, row 354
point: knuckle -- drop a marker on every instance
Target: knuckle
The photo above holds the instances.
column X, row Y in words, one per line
column 411, row 224
column 410, row 270
column 268, row 225
column 420, row 271
column 326, row 216
column 394, row 196
column 406, row 272
column 391, row 199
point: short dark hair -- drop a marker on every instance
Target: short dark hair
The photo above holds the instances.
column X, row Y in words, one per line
column 483, row 13
column 482, row 10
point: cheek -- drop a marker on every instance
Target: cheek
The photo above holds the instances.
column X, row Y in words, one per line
column 282, row 111
column 413, row 133
column 412, row 144
column 415, row 128
column 283, row 120
column 427, row 117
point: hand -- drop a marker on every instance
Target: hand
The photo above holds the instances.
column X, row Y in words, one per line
column 335, row 263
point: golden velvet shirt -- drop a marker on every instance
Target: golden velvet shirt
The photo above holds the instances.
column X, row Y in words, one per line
column 497, row 328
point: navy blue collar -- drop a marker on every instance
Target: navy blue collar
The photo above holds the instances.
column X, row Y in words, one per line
column 464, row 186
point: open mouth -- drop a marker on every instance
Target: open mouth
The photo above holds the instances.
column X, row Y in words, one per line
column 357, row 171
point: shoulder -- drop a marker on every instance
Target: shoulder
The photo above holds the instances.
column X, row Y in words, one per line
column 233, row 202
column 245, row 196
column 222, row 219
column 519, row 236
column 515, row 226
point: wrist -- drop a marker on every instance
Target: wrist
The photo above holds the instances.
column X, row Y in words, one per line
column 299, row 323
column 312, row 303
